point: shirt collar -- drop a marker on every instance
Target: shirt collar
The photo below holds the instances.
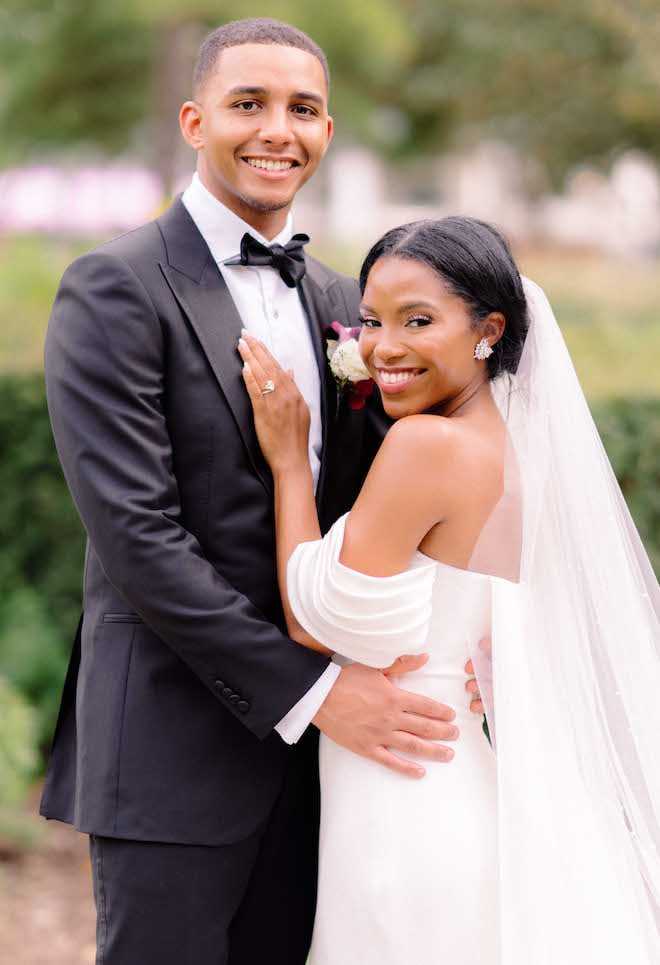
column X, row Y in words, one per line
column 221, row 229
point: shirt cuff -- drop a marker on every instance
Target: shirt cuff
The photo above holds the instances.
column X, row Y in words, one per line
column 293, row 726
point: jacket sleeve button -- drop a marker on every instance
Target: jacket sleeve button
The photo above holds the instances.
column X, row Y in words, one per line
column 233, row 698
column 219, row 684
column 227, row 691
column 243, row 706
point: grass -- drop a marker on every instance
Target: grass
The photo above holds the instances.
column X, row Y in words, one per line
column 607, row 308
column 30, row 270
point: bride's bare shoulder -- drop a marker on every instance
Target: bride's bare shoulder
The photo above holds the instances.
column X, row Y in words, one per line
column 425, row 437
column 438, row 455
column 415, row 482
column 412, row 453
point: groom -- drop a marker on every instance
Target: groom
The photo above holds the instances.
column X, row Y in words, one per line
column 183, row 746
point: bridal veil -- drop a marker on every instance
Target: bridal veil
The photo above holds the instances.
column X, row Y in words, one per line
column 572, row 684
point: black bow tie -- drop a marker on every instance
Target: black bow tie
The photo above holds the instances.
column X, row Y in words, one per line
column 288, row 259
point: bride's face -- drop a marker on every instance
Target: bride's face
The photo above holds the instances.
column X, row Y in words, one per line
column 417, row 338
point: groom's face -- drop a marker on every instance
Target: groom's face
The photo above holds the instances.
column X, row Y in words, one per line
column 261, row 126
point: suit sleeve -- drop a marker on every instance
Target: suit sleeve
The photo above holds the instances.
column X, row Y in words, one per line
column 104, row 361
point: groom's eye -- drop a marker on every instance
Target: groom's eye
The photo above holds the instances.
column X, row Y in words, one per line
column 248, row 105
column 304, row 110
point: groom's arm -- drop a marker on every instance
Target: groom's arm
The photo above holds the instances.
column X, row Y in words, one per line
column 104, row 363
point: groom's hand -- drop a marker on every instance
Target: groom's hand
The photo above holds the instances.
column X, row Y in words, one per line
column 367, row 714
column 472, row 687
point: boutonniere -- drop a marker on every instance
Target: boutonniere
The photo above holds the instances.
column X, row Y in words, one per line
column 350, row 372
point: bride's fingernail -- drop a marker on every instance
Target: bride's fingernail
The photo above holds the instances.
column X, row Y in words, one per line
column 242, row 342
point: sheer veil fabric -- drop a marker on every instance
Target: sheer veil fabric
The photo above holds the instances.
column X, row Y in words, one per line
column 572, row 686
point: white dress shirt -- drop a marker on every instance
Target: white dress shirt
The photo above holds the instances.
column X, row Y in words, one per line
column 274, row 313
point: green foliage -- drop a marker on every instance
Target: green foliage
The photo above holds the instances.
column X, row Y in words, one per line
column 30, row 271
column 33, row 655
column 631, row 433
column 72, row 72
column 18, row 758
column 42, row 551
column 19, row 763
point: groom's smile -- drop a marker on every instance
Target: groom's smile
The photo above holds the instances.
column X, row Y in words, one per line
column 273, row 168
column 260, row 125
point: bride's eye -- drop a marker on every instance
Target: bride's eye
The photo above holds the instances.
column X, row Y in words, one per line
column 419, row 321
column 369, row 322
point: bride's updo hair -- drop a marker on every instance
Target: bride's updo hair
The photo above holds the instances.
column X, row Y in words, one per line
column 475, row 262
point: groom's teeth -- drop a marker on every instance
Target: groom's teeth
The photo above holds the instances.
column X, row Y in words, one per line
column 269, row 165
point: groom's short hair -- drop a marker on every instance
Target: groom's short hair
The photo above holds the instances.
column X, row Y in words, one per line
column 252, row 30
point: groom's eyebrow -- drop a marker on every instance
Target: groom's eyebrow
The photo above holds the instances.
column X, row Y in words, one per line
column 307, row 95
column 299, row 95
column 247, row 90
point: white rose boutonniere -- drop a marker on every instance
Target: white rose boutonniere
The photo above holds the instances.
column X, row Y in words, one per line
column 346, row 364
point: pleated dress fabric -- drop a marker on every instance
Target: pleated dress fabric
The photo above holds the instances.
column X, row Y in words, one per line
column 408, row 868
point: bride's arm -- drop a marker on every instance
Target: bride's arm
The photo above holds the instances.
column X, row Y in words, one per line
column 403, row 497
column 282, row 426
column 296, row 521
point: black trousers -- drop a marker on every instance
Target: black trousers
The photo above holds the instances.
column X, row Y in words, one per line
column 249, row 903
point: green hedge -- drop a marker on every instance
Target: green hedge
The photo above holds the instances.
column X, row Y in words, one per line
column 41, row 540
column 41, row 552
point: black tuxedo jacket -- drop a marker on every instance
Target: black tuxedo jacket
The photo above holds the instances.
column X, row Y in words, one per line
column 181, row 666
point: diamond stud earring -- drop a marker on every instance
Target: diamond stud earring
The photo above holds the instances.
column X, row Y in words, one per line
column 483, row 350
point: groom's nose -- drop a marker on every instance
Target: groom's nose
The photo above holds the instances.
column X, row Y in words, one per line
column 276, row 125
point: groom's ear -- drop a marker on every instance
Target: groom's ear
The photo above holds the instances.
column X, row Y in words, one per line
column 191, row 116
column 330, row 132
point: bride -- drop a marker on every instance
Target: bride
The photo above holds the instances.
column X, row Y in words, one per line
column 490, row 510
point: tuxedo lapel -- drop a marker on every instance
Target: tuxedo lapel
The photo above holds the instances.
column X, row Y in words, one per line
column 311, row 298
column 323, row 304
column 201, row 291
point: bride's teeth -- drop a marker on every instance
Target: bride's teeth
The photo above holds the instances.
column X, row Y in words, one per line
column 390, row 378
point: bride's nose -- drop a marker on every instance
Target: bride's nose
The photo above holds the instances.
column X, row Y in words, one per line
column 388, row 349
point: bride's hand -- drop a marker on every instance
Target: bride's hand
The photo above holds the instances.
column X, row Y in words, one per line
column 281, row 415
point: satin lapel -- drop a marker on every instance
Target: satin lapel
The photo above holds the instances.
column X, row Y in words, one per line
column 323, row 304
column 201, row 291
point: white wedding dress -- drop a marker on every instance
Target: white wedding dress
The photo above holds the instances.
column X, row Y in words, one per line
column 545, row 851
column 408, row 868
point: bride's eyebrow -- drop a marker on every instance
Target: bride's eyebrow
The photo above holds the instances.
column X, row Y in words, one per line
column 411, row 305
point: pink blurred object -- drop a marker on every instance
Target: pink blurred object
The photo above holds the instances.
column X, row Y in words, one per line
column 87, row 201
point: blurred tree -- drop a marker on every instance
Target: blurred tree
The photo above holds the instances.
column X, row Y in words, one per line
column 72, row 73
column 564, row 82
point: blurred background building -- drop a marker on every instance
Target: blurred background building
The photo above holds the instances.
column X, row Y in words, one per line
column 542, row 116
